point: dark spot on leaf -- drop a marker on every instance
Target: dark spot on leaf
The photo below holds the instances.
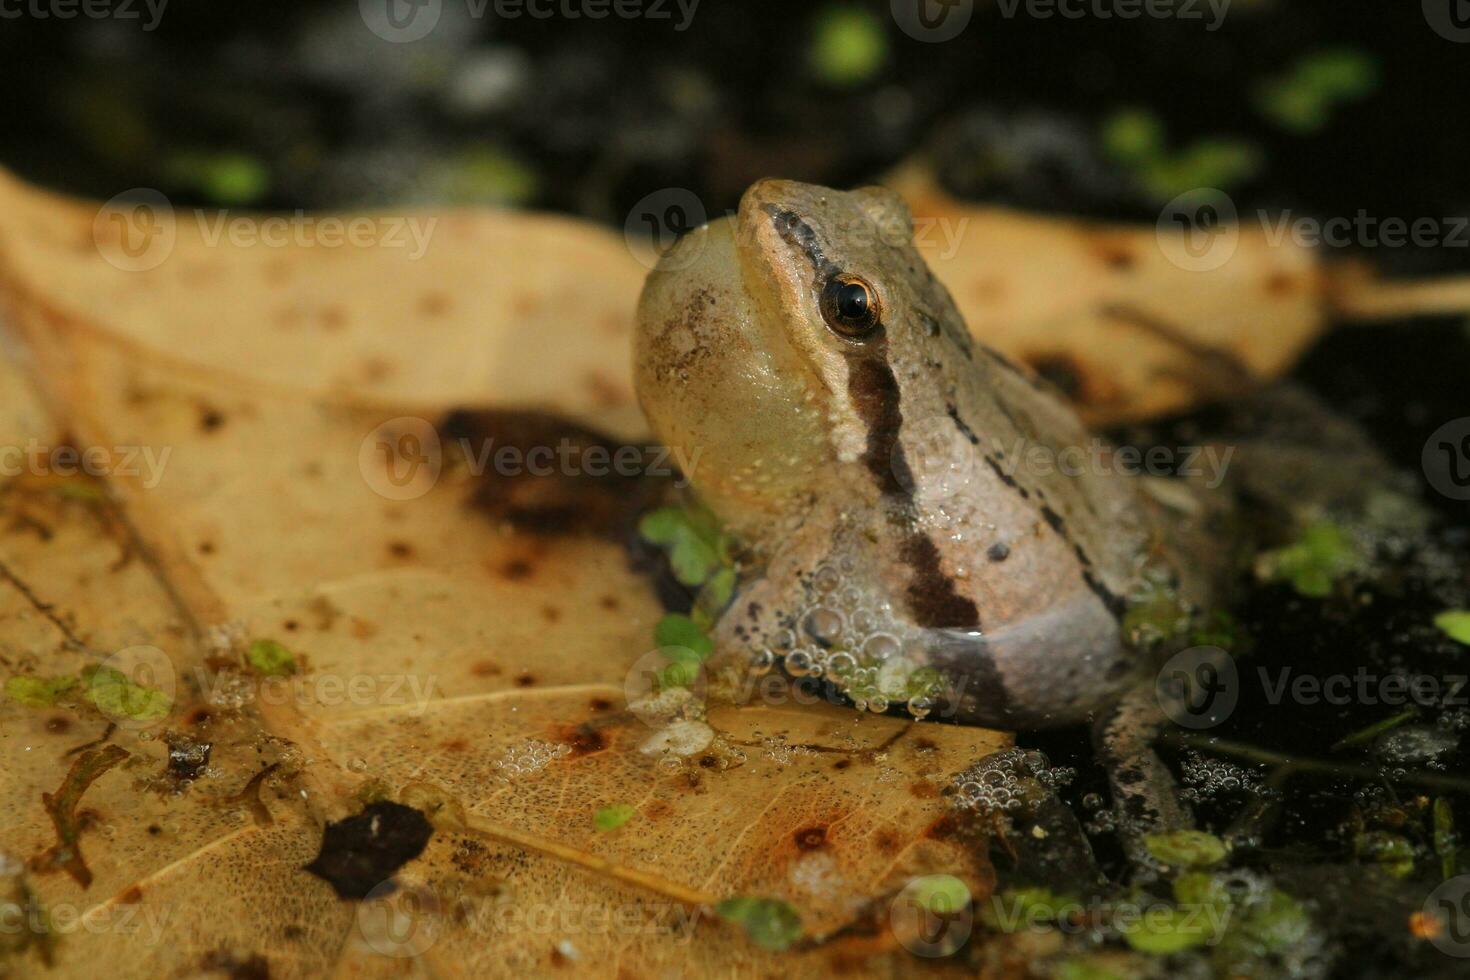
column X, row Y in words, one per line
column 525, row 680
column 364, row 851
column 888, row 842
column 841, row 763
column 133, row 895
column 925, row 744
column 485, row 668
column 811, row 838
column 923, row 789
column 584, row 739
column 609, row 602
column 211, row 420
column 1063, row 372
column 516, row 570
column 58, row 726
column 600, row 704
column 154, row 830
column 942, row 829
column 999, row 551
column 456, row 745
column 544, row 475
column 252, row 967
column 400, row 549
column 550, row 613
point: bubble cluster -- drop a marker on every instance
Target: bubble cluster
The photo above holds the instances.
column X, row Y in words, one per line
column 1416, row 745
column 845, row 635
column 529, row 757
column 999, row 782
column 1205, row 778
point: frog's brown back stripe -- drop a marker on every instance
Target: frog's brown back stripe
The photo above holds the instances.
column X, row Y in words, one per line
column 873, row 390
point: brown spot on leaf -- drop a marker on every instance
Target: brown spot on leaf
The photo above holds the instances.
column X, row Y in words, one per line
column 211, row 419
column 923, row 789
column 517, row 570
column 58, row 725
column 600, row 704
column 810, row 838
column 1063, row 372
column 1116, row 254
column 584, row 739
column 435, row 303
column 456, row 745
column 525, row 680
column 550, row 613
column 485, row 668
column 400, row 549
column 546, row 476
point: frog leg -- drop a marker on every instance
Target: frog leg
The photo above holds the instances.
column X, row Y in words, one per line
column 1145, row 796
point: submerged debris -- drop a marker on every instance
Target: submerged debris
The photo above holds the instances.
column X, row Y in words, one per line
column 360, row 855
column 66, row 853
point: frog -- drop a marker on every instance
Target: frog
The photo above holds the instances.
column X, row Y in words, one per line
column 872, row 457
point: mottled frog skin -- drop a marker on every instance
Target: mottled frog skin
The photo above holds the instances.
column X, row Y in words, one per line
column 863, row 447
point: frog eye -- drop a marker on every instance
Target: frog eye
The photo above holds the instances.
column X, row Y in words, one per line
column 850, row 306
